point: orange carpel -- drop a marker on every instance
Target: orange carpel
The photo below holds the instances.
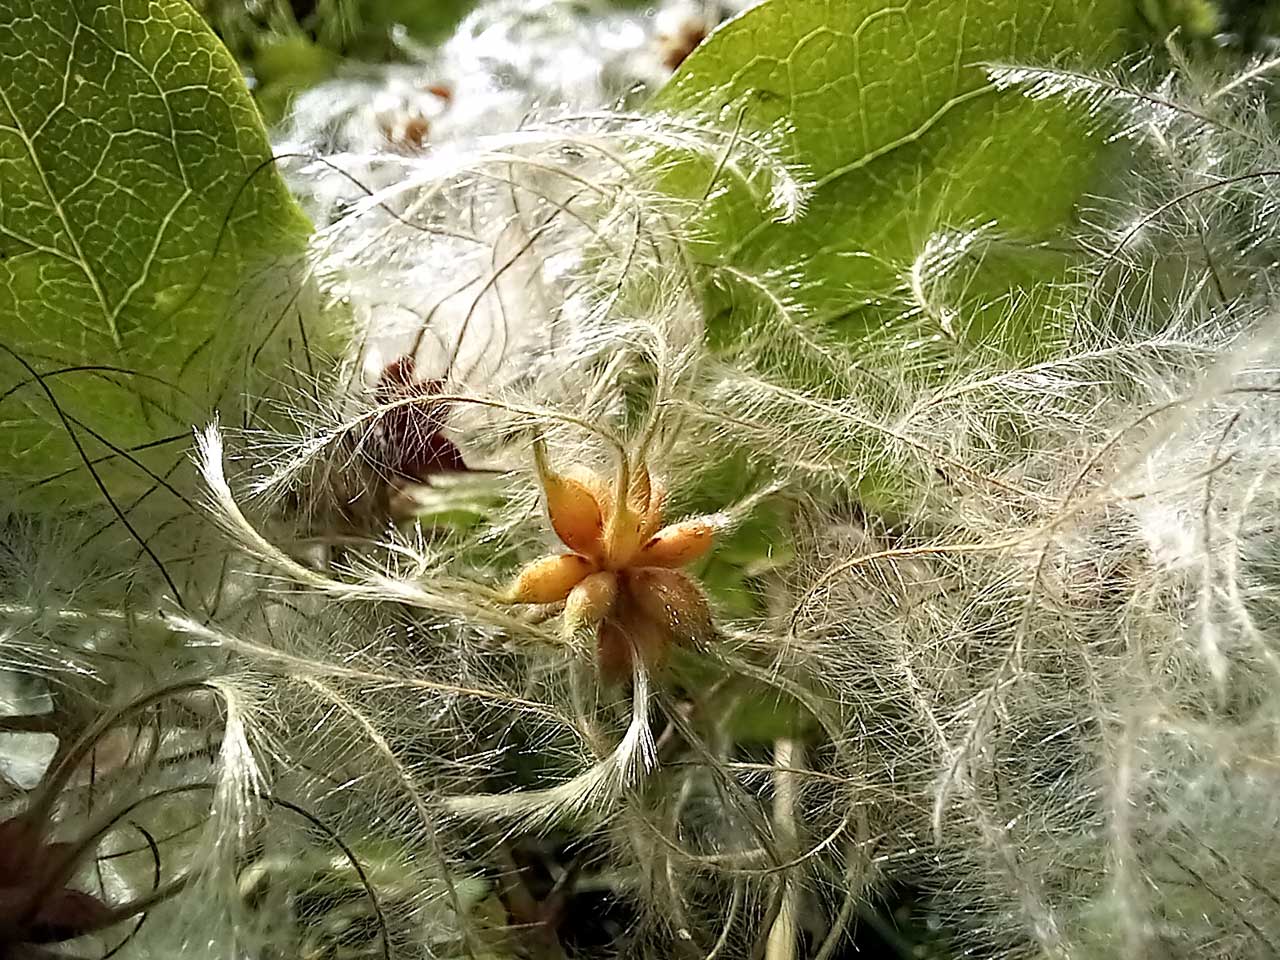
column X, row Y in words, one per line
column 550, row 579
column 572, row 507
column 669, row 601
column 441, row 90
column 415, row 131
column 677, row 545
column 590, row 601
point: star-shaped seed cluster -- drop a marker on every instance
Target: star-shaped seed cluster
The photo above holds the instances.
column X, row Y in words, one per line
column 621, row 578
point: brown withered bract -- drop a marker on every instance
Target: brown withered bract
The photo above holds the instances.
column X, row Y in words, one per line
column 363, row 486
column 36, row 904
column 621, row 581
column 406, row 441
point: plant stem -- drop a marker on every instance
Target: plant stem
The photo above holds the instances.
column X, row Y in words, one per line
column 788, row 756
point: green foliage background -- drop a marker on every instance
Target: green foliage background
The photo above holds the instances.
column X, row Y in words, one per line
column 137, row 214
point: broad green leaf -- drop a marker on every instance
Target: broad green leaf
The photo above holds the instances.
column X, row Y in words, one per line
column 890, row 109
column 136, row 211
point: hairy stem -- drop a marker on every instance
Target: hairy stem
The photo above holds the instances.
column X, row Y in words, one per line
column 788, row 756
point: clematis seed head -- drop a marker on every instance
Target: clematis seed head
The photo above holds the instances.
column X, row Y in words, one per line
column 620, row 583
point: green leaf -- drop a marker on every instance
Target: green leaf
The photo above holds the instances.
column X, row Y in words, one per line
column 747, row 710
column 136, row 210
column 425, row 22
column 890, row 109
column 762, row 715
